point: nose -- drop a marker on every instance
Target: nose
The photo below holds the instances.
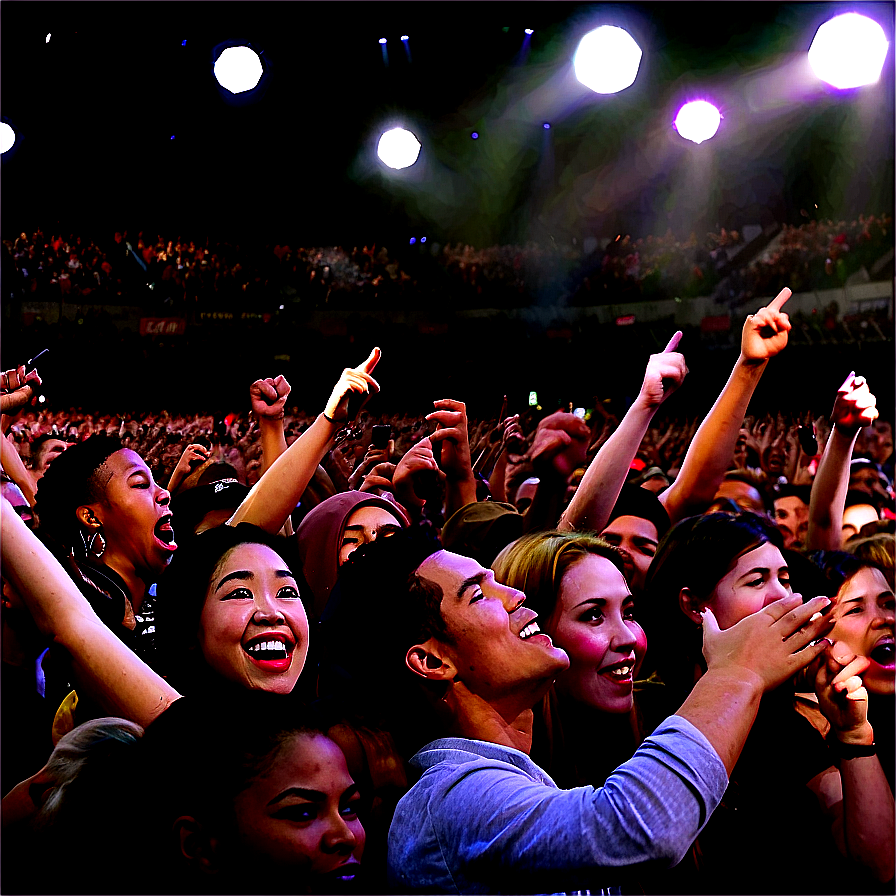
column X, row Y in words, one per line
column 622, row 638
column 163, row 496
column 510, row 597
column 884, row 617
column 267, row 611
column 338, row 837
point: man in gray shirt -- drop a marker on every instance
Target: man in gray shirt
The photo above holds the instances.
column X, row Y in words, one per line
column 483, row 818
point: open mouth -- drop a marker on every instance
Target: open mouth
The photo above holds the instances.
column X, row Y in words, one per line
column 884, row 654
column 164, row 533
column 272, row 652
column 533, row 631
column 619, row 672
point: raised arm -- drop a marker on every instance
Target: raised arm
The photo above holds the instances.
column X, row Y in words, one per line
column 709, row 455
column 460, row 484
column 274, row 497
column 854, row 408
column 268, row 400
column 593, row 501
column 14, row 467
column 102, row 665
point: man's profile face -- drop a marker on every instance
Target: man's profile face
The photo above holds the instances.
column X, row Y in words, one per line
column 792, row 519
column 486, row 621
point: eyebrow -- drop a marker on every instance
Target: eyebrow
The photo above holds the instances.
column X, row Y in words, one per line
column 762, row 569
column 315, row 795
column 357, row 528
column 244, row 575
column 470, row 581
column 601, row 601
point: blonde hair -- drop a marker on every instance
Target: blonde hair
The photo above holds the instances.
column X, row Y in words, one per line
column 536, row 563
column 876, row 550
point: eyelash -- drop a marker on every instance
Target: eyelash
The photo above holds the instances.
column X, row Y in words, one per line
column 288, row 593
column 477, row 596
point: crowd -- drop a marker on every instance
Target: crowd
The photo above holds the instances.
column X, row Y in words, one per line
column 190, row 276
column 343, row 650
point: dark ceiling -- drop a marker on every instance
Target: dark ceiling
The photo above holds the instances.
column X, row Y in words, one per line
column 98, row 105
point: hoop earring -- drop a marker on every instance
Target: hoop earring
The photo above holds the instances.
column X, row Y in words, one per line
column 92, row 541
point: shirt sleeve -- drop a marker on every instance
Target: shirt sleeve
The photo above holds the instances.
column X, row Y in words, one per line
column 650, row 810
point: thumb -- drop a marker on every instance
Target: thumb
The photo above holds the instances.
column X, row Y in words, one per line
column 710, row 623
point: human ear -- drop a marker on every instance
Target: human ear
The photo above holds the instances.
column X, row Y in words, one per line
column 429, row 661
column 691, row 605
column 87, row 517
column 197, row 845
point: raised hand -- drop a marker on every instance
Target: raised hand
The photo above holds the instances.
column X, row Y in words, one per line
column 664, row 374
column 854, row 406
column 560, row 445
column 379, row 479
column 18, row 389
column 354, row 383
column 414, row 473
column 841, row 695
column 268, row 397
column 451, row 417
column 772, row 644
column 765, row 332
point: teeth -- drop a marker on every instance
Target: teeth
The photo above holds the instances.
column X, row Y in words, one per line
column 531, row 629
column 620, row 671
column 263, row 646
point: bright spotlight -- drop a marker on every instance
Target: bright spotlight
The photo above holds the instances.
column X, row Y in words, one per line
column 398, row 148
column 48, row 38
column 547, row 125
column 528, row 31
column 382, row 40
column 7, row 137
column 413, row 240
column 848, row 51
column 404, row 37
column 422, row 239
column 607, row 59
column 238, row 69
column 474, row 136
column 697, row 121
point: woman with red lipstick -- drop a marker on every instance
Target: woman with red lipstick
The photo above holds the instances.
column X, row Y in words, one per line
column 830, row 798
column 574, row 581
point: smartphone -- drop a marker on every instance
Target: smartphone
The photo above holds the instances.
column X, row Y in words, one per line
column 380, row 435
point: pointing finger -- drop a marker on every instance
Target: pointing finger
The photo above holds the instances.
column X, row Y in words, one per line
column 372, row 360
column 777, row 303
column 673, row 342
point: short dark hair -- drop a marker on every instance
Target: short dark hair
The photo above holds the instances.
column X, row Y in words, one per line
column 71, row 482
column 757, row 480
column 803, row 492
column 38, row 446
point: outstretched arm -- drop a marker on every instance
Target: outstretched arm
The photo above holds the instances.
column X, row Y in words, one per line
column 102, row 665
column 854, row 408
column 274, row 497
column 460, row 484
column 709, row 455
column 593, row 501
column 268, row 400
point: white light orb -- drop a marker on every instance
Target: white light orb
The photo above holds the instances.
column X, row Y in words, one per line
column 607, row 59
column 48, row 38
column 848, row 51
column 398, row 148
column 7, row 137
column 697, row 121
column 238, row 69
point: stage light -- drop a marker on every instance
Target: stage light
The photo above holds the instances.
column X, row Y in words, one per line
column 697, row 121
column 546, row 126
column 398, row 148
column 529, row 31
column 7, row 137
column 413, row 240
column 404, row 37
column 422, row 239
column 238, row 69
column 48, row 39
column 382, row 40
column 474, row 136
column 848, row 51
column 607, row 59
